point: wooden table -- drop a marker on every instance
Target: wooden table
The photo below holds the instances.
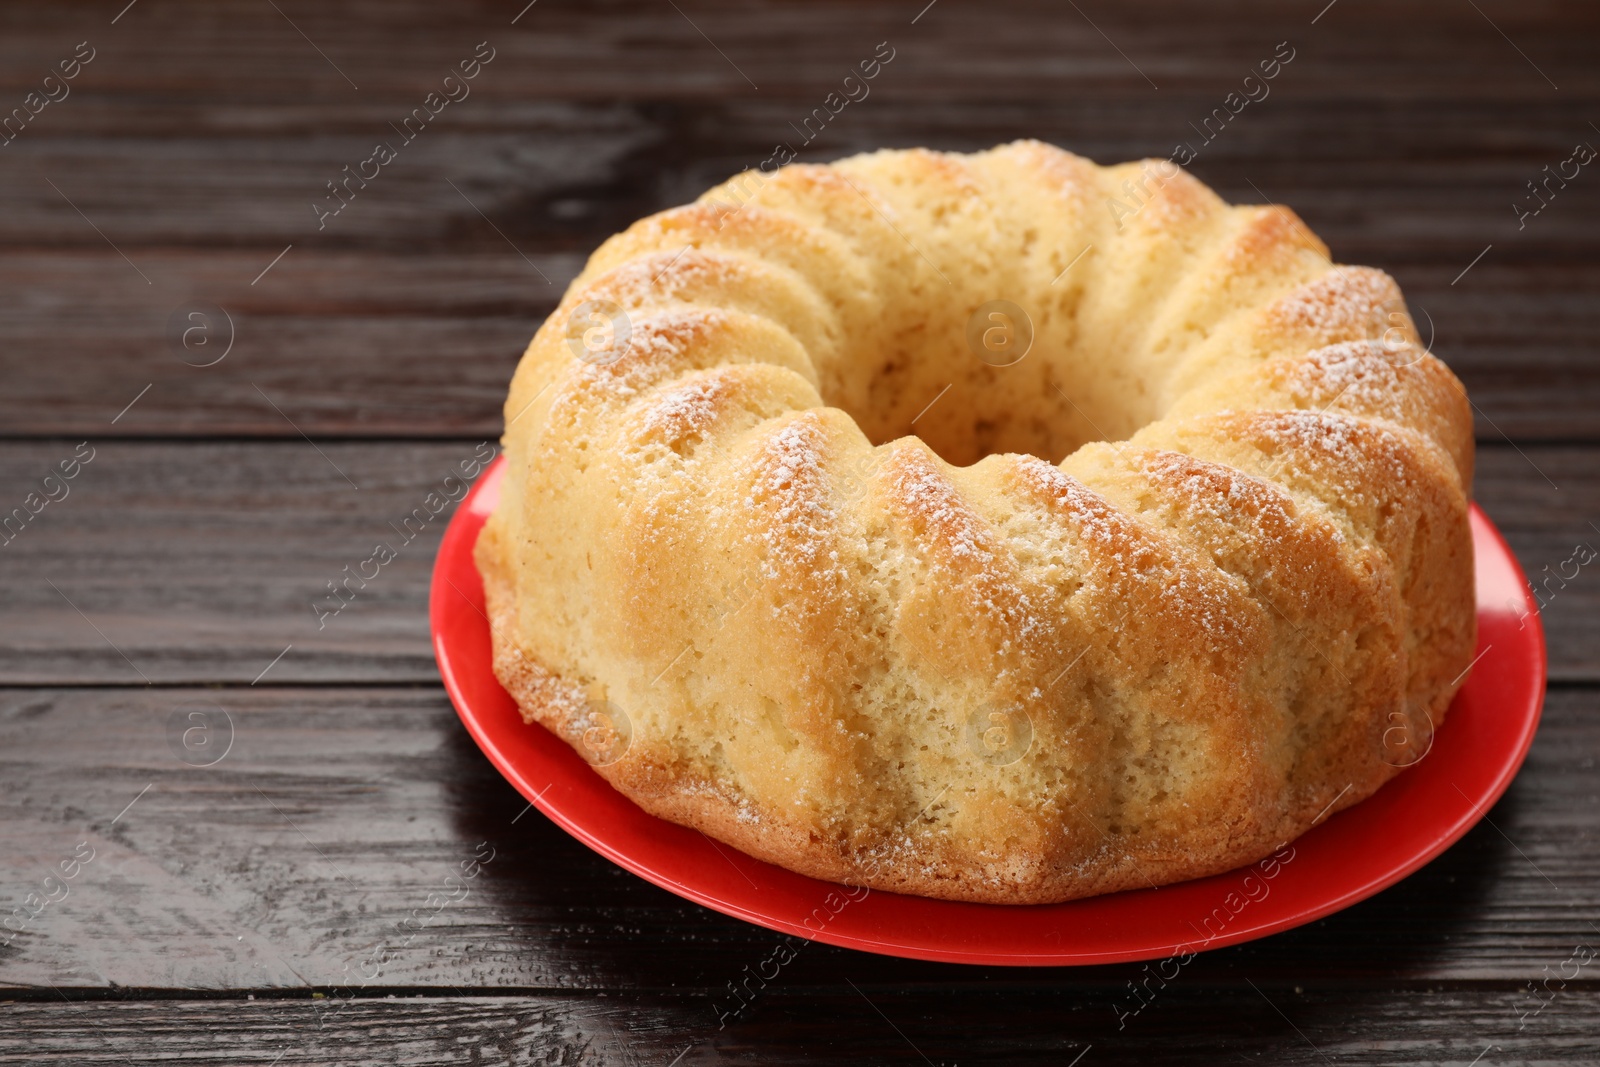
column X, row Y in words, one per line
column 162, row 208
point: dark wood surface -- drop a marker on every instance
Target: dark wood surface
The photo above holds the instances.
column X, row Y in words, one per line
column 224, row 914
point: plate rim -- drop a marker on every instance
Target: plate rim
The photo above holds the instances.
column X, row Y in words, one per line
column 458, row 541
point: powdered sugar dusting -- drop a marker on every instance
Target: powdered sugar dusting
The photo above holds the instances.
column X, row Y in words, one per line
column 798, row 525
column 687, row 410
column 1215, row 489
column 934, row 499
column 1068, row 175
column 1345, row 302
column 1227, row 502
column 538, row 690
column 1125, row 551
column 961, row 542
column 658, row 346
column 1097, row 521
column 1354, row 372
column 664, row 277
column 1347, row 442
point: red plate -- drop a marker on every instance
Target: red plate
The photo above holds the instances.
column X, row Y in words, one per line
column 1345, row 859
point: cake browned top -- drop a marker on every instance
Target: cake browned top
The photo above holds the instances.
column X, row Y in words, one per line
column 803, row 546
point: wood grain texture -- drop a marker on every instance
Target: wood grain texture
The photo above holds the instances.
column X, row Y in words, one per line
column 201, row 562
column 364, row 344
column 1376, row 1025
column 337, row 813
column 1029, row 50
column 421, row 294
column 1431, row 185
column 374, row 354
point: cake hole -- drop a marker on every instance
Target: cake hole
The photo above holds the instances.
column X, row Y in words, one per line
column 973, row 378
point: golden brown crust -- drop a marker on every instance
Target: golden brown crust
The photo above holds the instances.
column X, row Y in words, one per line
column 946, row 666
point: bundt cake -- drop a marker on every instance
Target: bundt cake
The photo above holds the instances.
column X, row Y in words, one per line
column 798, row 552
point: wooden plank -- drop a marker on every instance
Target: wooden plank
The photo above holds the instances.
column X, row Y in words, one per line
column 180, row 179
column 196, row 143
column 351, row 344
column 330, row 817
column 204, row 562
column 1064, row 1023
column 261, row 191
column 362, row 344
column 1022, row 49
column 201, row 562
column 1433, row 183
